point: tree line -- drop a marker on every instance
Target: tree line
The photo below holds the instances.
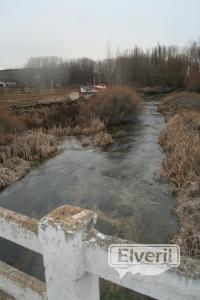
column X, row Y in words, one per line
column 167, row 66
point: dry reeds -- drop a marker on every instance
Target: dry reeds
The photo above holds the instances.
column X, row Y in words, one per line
column 92, row 126
column 182, row 144
column 35, row 145
column 103, row 139
column 25, row 150
column 85, row 142
column 181, row 141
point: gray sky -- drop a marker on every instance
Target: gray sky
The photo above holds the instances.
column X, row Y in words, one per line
column 77, row 28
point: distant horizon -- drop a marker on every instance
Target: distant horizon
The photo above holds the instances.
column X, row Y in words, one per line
column 114, row 53
column 75, row 29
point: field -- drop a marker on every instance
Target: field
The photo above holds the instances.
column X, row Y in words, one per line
column 33, row 96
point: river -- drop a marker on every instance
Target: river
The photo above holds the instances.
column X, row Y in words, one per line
column 121, row 182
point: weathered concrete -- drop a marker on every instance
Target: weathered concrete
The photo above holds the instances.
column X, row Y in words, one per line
column 168, row 285
column 76, row 255
column 20, row 285
column 19, row 229
column 61, row 235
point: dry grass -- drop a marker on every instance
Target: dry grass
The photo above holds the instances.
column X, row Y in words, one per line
column 103, row 139
column 181, row 141
column 25, row 150
column 177, row 102
column 12, row 170
column 85, row 142
column 95, row 127
column 9, row 123
column 34, row 145
column 90, row 127
column 15, row 96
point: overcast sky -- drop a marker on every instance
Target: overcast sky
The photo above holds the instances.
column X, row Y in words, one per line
column 77, row 28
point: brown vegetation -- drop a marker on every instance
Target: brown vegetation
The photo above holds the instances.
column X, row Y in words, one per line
column 30, row 133
column 103, row 139
column 85, row 142
column 177, row 102
column 181, row 141
column 20, row 149
column 23, row 152
column 31, row 95
column 192, row 81
column 115, row 105
column 9, row 124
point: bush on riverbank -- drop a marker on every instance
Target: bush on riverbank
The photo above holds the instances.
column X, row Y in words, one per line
column 9, row 124
column 115, row 105
column 181, row 141
column 192, row 81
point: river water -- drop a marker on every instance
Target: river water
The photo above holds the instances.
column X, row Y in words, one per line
column 120, row 182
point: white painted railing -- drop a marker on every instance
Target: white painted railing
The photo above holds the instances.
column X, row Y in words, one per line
column 76, row 256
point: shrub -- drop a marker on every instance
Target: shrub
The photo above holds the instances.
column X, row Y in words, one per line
column 35, row 145
column 9, row 123
column 192, row 81
column 115, row 105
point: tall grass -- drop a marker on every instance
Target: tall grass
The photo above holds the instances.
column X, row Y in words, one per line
column 35, row 145
column 23, row 152
column 103, row 139
column 181, row 141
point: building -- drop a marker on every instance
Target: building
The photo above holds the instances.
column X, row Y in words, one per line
column 4, row 84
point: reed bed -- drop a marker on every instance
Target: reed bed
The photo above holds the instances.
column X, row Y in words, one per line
column 181, row 141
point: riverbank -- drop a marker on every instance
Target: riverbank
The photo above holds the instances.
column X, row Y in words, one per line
column 23, row 153
column 31, row 133
column 35, row 146
column 180, row 140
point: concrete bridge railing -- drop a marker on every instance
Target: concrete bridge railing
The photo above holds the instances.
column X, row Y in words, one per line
column 76, row 256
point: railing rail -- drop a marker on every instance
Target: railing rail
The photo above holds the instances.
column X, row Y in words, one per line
column 20, row 285
column 20, row 229
column 76, row 256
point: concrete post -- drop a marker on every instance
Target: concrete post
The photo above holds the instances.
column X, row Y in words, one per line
column 61, row 235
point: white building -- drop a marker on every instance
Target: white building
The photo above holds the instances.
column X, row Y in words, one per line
column 4, row 84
